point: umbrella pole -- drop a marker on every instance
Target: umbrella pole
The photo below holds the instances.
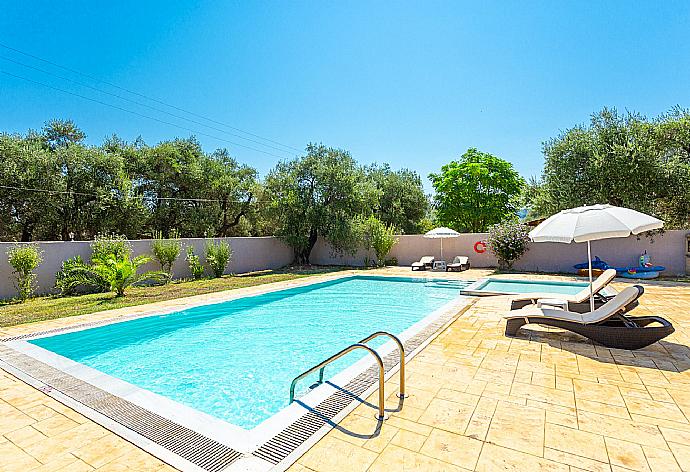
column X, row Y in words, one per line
column 591, row 292
column 441, row 248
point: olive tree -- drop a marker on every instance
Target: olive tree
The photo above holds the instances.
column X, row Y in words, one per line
column 318, row 195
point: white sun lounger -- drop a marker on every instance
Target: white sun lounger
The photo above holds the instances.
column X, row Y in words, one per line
column 575, row 302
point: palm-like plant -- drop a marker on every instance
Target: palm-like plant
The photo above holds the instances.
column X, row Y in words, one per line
column 118, row 271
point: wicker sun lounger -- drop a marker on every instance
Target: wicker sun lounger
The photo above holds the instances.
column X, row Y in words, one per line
column 579, row 302
column 607, row 325
column 424, row 263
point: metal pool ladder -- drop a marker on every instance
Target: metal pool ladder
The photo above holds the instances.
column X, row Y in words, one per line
column 360, row 345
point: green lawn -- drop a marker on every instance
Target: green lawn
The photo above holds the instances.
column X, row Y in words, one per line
column 48, row 308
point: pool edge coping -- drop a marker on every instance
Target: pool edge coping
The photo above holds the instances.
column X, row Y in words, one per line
column 450, row 311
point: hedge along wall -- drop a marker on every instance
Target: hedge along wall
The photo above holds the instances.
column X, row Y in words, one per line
column 668, row 250
column 248, row 254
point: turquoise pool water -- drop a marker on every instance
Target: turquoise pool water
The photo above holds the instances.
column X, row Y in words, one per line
column 235, row 360
column 527, row 286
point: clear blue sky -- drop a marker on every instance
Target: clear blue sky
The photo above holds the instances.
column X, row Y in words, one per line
column 409, row 83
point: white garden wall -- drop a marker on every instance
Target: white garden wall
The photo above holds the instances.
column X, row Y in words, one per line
column 249, row 254
column 668, row 250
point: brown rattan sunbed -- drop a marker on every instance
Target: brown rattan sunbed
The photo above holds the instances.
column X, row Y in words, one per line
column 607, row 325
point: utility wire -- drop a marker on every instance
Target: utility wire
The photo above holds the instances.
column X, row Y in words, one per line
column 143, row 197
column 141, row 114
column 140, row 103
column 74, row 71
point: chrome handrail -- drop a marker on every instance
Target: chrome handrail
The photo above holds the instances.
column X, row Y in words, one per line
column 401, row 351
column 338, row 355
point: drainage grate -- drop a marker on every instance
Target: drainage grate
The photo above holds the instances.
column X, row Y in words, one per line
column 196, row 448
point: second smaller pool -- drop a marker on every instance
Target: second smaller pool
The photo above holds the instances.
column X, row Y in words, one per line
column 511, row 286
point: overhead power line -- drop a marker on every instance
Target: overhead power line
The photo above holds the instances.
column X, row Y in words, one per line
column 160, row 102
column 140, row 114
column 139, row 103
column 143, row 197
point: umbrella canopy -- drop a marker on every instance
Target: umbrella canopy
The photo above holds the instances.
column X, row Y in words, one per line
column 591, row 223
column 441, row 233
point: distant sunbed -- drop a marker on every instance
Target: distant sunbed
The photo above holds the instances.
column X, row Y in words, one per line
column 607, row 325
column 424, row 263
column 459, row 263
column 578, row 302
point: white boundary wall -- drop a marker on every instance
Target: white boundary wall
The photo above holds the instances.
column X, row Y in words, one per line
column 667, row 250
column 259, row 253
column 248, row 254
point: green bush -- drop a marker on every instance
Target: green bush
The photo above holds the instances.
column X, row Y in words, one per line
column 75, row 276
column 508, row 241
column 379, row 237
column 118, row 272
column 105, row 245
column 218, row 256
column 24, row 259
column 195, row 266
column 166, row 251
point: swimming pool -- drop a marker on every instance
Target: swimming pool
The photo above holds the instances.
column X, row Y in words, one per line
column 495, row 286
column 235, row 360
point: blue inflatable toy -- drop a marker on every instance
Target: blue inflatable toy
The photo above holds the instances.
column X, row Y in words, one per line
column 644, row 270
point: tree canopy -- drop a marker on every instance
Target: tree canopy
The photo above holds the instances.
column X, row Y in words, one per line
column 320, row 194
column 623, row 160
column 476, row 191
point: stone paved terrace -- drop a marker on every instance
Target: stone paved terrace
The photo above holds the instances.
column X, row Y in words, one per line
column 546, row 401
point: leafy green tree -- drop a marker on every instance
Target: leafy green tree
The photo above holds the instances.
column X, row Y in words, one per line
column 476, row 191
column 195, row 266
column 400, row 198
column 24, row 259
column 623, row 160
column 318, row 195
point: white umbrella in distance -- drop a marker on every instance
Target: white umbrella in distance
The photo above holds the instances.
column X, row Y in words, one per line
column 590, row 223
column 441, row 233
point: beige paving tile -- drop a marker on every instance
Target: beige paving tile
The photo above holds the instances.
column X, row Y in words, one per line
column 334, row 454
column 25, row 436
column 573, row 441
column 667, row 411
column 55, row 424
column 660, row 460
column 447, row 415
column 519, row 428
column 398, row 458
column 453, row 448
column 626, row 454
column 103, row 450
column 495, row 458
column 408, row 440
column 609, row 426
column 682, row 454
column 578, row 462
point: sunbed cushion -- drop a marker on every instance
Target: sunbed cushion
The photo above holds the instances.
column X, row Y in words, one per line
column 605, row 311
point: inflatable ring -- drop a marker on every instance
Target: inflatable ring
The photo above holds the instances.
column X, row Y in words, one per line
column 480, row 247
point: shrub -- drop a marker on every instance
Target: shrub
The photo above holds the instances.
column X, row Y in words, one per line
column 379, row 237
column 76, row 276
column 105, row 245
column 195, row 266
column 24, row 259
column 118, row 273
column 166, row 251
column 508, row 242
column 218, row 256
column 391, row 261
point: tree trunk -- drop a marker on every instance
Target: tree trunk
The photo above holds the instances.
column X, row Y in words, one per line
column 302, row 255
